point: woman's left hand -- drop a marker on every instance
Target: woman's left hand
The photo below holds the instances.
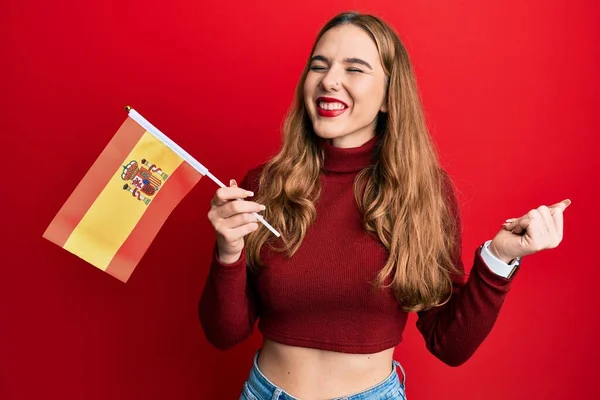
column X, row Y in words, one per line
column 539, row 229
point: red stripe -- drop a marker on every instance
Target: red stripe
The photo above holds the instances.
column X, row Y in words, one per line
column 177, row 186
column 94, row 182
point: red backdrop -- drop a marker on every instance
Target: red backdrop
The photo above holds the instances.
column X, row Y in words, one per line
column 511, row 94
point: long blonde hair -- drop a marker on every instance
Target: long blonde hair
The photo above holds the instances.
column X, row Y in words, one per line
column 403, row 197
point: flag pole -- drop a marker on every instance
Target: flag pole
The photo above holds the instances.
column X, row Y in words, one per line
column 185, row 155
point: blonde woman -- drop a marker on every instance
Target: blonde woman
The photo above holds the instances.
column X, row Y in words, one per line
column 370, row 232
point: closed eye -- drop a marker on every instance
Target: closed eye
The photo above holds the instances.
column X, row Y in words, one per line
column 321, row 68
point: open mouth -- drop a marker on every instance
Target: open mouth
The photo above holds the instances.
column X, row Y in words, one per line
column 330, row 107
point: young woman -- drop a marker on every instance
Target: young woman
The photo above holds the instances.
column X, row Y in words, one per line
column 370, row 230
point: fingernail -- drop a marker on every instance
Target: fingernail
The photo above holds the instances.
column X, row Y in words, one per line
column 249, row 193
column 567, row 202
column 232, row 182
column 262, row 208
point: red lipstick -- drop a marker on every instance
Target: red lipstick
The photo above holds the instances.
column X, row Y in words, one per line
column 330, row 113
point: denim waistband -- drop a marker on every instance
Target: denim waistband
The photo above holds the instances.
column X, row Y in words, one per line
column 259, row 387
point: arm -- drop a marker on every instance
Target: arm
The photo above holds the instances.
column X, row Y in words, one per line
column 228, row 307
column 453, row 331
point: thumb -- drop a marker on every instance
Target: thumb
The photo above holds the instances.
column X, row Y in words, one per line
column 510, row 224
column 232, row 183
column 516, row 225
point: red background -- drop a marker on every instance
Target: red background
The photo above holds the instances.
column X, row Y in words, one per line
column 511, row 94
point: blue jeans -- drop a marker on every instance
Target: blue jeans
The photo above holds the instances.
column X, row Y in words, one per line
column 258, row 387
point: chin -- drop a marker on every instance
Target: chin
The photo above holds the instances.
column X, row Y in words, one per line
column 328, row 135
column 329, row 132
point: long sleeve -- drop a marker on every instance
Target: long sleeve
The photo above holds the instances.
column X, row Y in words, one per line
column 498, row 266
column 229, row 305
column 455, row 330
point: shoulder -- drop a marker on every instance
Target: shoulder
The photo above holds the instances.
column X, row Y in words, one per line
column 252, row 178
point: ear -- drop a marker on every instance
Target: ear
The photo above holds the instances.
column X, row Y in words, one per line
column 384, row 106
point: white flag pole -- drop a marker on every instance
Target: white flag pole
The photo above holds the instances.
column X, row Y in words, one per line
column 144, row 123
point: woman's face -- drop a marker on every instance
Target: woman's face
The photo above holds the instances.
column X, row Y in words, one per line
column 345, row 87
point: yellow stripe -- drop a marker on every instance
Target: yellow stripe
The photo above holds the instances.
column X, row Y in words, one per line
column 115, row 213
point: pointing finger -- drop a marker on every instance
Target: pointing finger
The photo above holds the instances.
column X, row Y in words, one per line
column 512, row 223
column 557, row 216
column 225, row 194
column 561, row 205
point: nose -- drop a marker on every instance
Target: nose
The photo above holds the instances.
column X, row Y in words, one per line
column 332, row 80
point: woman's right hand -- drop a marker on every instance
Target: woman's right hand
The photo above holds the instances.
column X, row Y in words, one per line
column 232, row 220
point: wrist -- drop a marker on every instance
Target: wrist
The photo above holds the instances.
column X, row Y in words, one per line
column 228, row 258
column 492, row 248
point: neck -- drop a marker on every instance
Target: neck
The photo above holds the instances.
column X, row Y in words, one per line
column 351, row 141
column 348, row 160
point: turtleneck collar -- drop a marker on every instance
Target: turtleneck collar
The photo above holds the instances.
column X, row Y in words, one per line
column 348, row 160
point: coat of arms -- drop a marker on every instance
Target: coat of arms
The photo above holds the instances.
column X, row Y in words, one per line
column 144, row 180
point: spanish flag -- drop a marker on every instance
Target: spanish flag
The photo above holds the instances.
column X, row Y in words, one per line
column 121, row 203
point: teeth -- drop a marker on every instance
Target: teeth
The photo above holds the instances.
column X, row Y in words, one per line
column 331, row 106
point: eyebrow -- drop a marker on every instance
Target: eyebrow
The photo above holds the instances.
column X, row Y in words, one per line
column 352, row 60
